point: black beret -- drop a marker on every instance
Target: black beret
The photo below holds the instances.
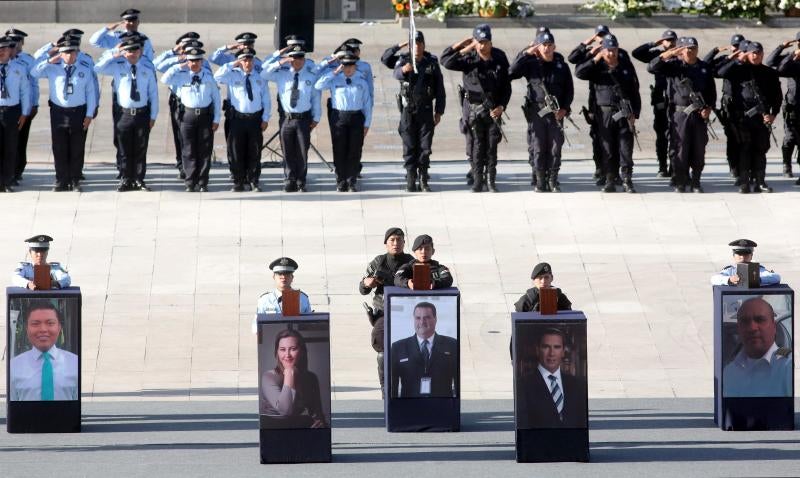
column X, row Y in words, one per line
column 393, row 231
column 419, row 37
column 743, row 246
column 422, row 240
column 736, row 39
column 541, row 268
column 283, row 264
column 669, row 35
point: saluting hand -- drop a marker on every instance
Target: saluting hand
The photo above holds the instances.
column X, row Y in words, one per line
column 590, row 40
column 403, row 45
column 113, row 26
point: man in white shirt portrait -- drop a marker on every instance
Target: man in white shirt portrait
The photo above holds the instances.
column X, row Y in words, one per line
column 45, row 372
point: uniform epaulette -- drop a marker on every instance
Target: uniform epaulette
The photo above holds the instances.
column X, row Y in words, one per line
column 433, row 57
column 23, row 264
column 265, row 293
column 727, row 267
column 783, row 352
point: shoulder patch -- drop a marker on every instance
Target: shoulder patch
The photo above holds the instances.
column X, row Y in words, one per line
column 783, row 352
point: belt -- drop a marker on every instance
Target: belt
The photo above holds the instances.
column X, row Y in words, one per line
column 294, row 116
column 67, row 109
column 134, row 111
column 197, row 111
column 347, row 112
column 238, row 114
column 9, row 107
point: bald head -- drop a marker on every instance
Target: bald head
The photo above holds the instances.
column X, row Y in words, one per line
column 755, row 323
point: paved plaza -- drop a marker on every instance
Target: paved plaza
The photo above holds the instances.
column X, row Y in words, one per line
column 170, row 282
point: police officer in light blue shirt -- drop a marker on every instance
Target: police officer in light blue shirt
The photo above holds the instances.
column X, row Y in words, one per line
column 15, row 106
column 109, row 37
column 38, row 248
column 73, row 99
column 198, row 113
column 351, row 115
column 300, row 101
column 248, row 115
column 22, row 144
column 742, row 254
column 137, row 109
column 761, row 368
column 283, row 270
column 163, row 62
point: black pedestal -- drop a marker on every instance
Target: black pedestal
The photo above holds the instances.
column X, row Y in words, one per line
column 295, row 446
column 27, row 413
column 546, row 347
column 748, row 402
column 408, row 410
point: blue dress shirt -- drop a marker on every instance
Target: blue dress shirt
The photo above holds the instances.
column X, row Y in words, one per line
column 309, row 97
column 83, row 84
column 29, row 62
column 348, row 94
column 17, row 86
column 201, row 95
column 108, row 39
column 146, row 83
column 222, row 56
column 235, row 79
column 362, row 67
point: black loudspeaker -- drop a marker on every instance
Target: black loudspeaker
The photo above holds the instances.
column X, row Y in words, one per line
column 294, row 17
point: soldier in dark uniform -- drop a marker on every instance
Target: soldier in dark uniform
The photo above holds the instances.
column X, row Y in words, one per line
column 380, row 272
column 658, row 98
column 791, row 104
column 731, row 135
column 584, row 51
column 616, row 89
column 693, row 95
column 548, row 79
column 423, row 251
column 756, row 100
column 418, row 115
column 542, row 277
column 487, row 90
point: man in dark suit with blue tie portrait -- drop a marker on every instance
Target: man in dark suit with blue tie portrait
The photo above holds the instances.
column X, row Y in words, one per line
column 425, row 364
column 550, row 397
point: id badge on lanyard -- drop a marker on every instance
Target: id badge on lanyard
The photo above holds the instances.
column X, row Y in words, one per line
column 425, row 386
column 69, row 89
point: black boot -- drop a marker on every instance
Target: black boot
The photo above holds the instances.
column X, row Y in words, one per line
column 411, row 181
column 540, row 186
column 787, row 160
column 627, row 184
column 552, row 181
column 696, row 187
column 761, row 183
column 492, row 178
column 609, row 186
column 423, row 181
column 477, row 184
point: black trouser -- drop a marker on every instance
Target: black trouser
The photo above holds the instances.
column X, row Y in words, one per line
column 244, row 145
column 485, row 135
column 464, row 128
column 662, row 127
column 115, row 116
column 132, row 134
column 616, row 137
column 597, row 144
column 377, row 343
column 174, row 120
column 545, row 140
column 197, row 141
column 416, row 131
column 691, row 137
column 295, row 140
column 68, row 138
column 753, row 143
column 22, row 144
column 347, row 139
column 227, row 112
column 729, row 127
column 9, row 141
column 791, row 135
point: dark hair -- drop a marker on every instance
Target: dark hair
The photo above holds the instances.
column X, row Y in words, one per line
column 302, row 362
column 43, row 305
column 552, row 331
column 426, row 305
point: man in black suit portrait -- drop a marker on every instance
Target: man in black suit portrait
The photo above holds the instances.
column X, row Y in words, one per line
column 425, row 364
column 550, row 397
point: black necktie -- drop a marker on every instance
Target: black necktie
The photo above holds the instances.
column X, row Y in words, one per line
column 196, row 80
column 67, row 89
column 3, row 89
column 248, row 87
column 134, row 89
column 295, row 92
column 426, row 356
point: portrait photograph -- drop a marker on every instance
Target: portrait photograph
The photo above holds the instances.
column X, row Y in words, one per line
column 757, row 345
column 551, row 375
column 424, row 353
column 44, row 349
column 294, row 375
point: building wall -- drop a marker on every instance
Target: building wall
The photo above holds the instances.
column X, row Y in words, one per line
column 181, row 11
